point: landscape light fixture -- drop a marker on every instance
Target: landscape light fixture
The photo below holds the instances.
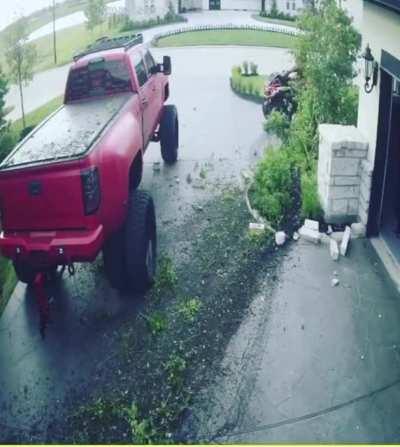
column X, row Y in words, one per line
column 371, row 70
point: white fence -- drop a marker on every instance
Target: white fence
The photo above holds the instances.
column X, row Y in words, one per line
column 267, row 27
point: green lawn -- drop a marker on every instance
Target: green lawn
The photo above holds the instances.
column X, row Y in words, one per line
column 69, row 41
column 228, row 37
column 291, row 23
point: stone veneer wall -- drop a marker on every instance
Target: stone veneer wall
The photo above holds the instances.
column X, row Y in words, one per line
column 344, row 176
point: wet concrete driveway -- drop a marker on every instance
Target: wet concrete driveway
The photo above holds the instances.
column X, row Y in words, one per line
column 312, row 362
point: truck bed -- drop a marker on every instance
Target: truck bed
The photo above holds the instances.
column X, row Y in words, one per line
column 67, row 133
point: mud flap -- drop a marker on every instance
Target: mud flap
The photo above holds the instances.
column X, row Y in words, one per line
column 42, row 302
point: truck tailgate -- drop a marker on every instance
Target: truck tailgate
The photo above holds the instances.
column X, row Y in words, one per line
column 46, row 198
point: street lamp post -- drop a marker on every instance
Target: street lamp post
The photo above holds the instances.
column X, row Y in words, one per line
column 54, row 33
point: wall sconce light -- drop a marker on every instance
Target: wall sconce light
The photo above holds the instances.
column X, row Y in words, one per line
column 371, row 70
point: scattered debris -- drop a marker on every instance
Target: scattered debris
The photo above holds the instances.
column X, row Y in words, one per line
column 362, row 357
column 280, row 238
column 254, row 213
column 198, row 184
column 197, row 208
column 256, row 228
column 335, row 273
column 334, row 249
column 312, row 224
column 156, row 166
column 189, row 178
column 358, row 230
column 345, row 241
column 325, row 239
column 335, row 282
column 296, row 236
column 247, row 175
column 310, row 235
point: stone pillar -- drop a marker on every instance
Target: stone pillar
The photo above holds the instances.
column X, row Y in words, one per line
column 342, row 151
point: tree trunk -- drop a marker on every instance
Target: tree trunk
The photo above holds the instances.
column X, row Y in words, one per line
column 262, row 5
column 21, row 95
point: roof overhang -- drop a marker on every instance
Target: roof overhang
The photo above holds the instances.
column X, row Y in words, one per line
column 394, row 5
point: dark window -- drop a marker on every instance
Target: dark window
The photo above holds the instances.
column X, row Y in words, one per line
column 141, row 72
column 149, row 60
column 98, row 78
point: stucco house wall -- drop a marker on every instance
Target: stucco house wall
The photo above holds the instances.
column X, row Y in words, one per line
column 381, row 29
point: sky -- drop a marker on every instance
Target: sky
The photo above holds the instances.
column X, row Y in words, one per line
column 9, row 9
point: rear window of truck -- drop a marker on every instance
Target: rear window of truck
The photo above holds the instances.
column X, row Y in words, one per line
column 98, row 78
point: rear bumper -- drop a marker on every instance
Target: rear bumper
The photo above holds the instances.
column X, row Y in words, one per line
column 48, row 248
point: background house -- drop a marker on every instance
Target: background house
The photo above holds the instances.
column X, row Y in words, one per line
column 141, row 9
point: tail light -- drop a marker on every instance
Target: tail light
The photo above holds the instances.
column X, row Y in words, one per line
column 91, row 190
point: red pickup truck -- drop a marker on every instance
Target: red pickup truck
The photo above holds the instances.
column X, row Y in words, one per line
column 69, row 188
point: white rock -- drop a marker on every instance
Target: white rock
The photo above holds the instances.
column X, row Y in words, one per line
column 334, row 250
column 310, row 235
column 358, row 230
column 311, row 224
column 256, row 228
column 345, row 241
column 330, row 229
column 296, row 236
column 335, row 282
column 338, row 236
column 280, row 237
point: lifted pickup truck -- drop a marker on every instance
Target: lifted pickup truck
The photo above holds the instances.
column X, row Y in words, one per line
column 69, row 189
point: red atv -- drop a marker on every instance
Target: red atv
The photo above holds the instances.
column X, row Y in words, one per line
column 69, row 188
column 278, row 94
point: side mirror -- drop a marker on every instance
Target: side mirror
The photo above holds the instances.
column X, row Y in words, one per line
column 166, row 65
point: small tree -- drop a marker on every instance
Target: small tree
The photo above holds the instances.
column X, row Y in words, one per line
column 274, row 9
column 21, row 57
column 3, row 93
column 95, row 13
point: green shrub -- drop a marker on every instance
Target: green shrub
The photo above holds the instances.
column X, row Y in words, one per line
column 310, row 204
column 272, row 190
column 253, row 69
column 277, row 124
column 245, row 68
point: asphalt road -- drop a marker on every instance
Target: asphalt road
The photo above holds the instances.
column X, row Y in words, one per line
column 219, row 132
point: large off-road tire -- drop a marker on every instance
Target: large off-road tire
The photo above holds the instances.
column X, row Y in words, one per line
column 25, row 273
column 140, row 242
column 169, row 134
column 130, row 254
